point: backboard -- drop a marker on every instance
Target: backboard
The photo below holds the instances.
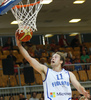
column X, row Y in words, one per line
column 1, row 1
column 6, row 5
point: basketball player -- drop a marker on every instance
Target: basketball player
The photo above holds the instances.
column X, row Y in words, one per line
column 56, row 81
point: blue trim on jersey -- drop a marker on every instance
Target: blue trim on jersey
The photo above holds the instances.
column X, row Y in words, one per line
column 70, row 98
column 46, row 74
column 47, row 92
column 8, row 5
column 65, row 70
column 69, row 75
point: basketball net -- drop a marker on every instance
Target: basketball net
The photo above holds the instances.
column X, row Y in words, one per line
column 26, row 14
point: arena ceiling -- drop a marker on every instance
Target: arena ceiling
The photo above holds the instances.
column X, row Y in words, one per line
column 54, row 18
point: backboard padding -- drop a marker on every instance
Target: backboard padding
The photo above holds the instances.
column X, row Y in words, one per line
column 8, row 5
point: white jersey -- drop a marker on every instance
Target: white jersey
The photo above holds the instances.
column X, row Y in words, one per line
column 57, row 85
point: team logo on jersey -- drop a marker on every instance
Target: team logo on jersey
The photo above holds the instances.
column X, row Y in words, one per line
column 52, row 94
column 55, row 94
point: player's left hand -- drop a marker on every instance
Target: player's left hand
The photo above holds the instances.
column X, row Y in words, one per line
column 86, row 94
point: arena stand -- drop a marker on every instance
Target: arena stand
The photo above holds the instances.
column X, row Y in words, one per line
column 10, row 87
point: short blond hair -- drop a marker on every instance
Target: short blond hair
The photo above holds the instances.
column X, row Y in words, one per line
column 62, row 57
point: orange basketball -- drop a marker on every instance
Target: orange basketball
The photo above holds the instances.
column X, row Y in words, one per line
column 25, row 35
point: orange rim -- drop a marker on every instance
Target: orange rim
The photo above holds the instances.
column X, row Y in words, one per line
column 20, row 6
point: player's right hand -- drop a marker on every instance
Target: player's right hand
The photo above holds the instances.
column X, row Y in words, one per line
column 17, row 40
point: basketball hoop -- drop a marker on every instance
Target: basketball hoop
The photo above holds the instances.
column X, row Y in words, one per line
column 26, row 14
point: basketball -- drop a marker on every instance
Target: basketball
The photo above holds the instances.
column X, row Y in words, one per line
column 24, row 35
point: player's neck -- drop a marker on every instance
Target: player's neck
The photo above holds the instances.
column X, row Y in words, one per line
column 57, row 69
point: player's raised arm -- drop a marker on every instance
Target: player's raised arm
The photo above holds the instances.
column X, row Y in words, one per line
column 33, row 62
column 78, row 86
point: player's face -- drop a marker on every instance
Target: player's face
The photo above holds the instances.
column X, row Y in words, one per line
column 55, row 61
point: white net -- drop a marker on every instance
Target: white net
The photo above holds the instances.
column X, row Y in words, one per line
column 26, row 16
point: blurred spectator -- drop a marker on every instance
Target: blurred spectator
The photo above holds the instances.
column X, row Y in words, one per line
column 75, row 97
column 87, row 67
column 38, row 52
column 42, row 96
column 55, row 50
column 25, row 45
column 78, row 57
column 24, row 64
column 8, row 45
column 45, row 54
column 79, row 96
column 15, row 66
column 89, row 50
column 33, row 47
column 67, row 62
column 1, row 97
column 48, row 63
column 11, row 56
column 25, row 99
column 53, row 45
column 83, row 48
column 63, row 42
column 34, row 94
column 21, row 97
column 42, row 60
column 31, row 52
column 29, row 44
column 47, row 46
column 73, row 59
column 75, row 42
column 84, row 57
column 11, row 98
column 77, row 67
column 67, row 53
column 70, row 57
column 89, row 60
column 15, row 71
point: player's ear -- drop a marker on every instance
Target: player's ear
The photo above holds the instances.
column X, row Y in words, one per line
column 61, row 62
